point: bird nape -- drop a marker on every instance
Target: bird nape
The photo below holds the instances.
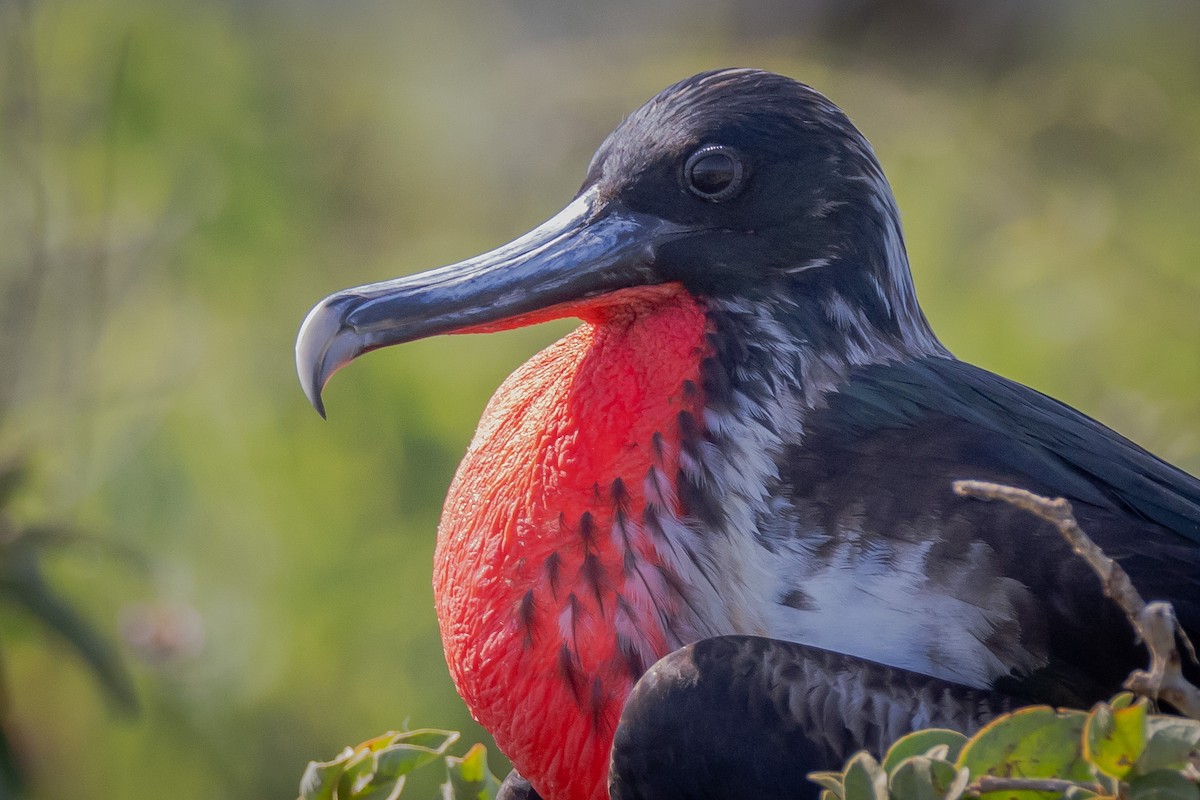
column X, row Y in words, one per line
column 752, row 434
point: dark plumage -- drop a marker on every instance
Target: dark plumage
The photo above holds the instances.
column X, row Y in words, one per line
column 898, row 435
column 743, row 716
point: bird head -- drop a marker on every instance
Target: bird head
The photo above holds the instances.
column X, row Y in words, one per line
column 737, row 185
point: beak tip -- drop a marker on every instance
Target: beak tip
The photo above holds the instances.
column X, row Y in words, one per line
column 318, row 404
column 312, row 384
column 318, row 352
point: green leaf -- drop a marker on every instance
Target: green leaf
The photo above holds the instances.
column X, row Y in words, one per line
column 433, row 739
column 1169, row 742
column 359, row 778
column 377, row 743
column 378, row 788
column 919, row 743
column 1163, row 784
column 1123, row 700
column 924, row 778
column 956, row 788
column 1036, row 742
column 830, row 781
column 412, row 750
column 865, row 779
column 359, row 769
column 913, row 780
column 468, row 778
column 1113, row 739
column 375, row 769
column 320, row 778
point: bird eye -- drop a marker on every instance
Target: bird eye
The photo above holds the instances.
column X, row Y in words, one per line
column 714, row 173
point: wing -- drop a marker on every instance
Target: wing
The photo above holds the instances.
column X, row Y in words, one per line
column 873, row 475
column 1050, row 439
column 743, row 716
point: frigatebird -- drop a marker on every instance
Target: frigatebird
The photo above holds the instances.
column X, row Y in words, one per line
column 753, row 433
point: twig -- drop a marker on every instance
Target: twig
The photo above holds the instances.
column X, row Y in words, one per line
column 1165, row 678
column 1154, row 623
column 991, row 783
column 1058, row 513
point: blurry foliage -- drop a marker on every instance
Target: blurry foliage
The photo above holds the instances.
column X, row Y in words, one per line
column 25, row 592
column 23, row 585
column 181, row 180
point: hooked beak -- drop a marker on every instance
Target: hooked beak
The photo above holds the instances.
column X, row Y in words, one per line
column 588, row 249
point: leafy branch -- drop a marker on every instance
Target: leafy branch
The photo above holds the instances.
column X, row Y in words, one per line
column 378, row 768
column 1117, row 750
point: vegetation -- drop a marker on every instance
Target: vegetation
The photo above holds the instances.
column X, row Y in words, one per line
column 379, row 768
column 1115, row 750
column 181, row 180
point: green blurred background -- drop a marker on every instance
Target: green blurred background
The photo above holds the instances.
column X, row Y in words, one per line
column 180, row 181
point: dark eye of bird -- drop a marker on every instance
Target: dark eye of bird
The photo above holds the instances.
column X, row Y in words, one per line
column 713, row 173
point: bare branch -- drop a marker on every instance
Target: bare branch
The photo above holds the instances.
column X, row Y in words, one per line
column 1157, row 628
column 1154, row 623
column 1058, row 512
column 991, row 783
